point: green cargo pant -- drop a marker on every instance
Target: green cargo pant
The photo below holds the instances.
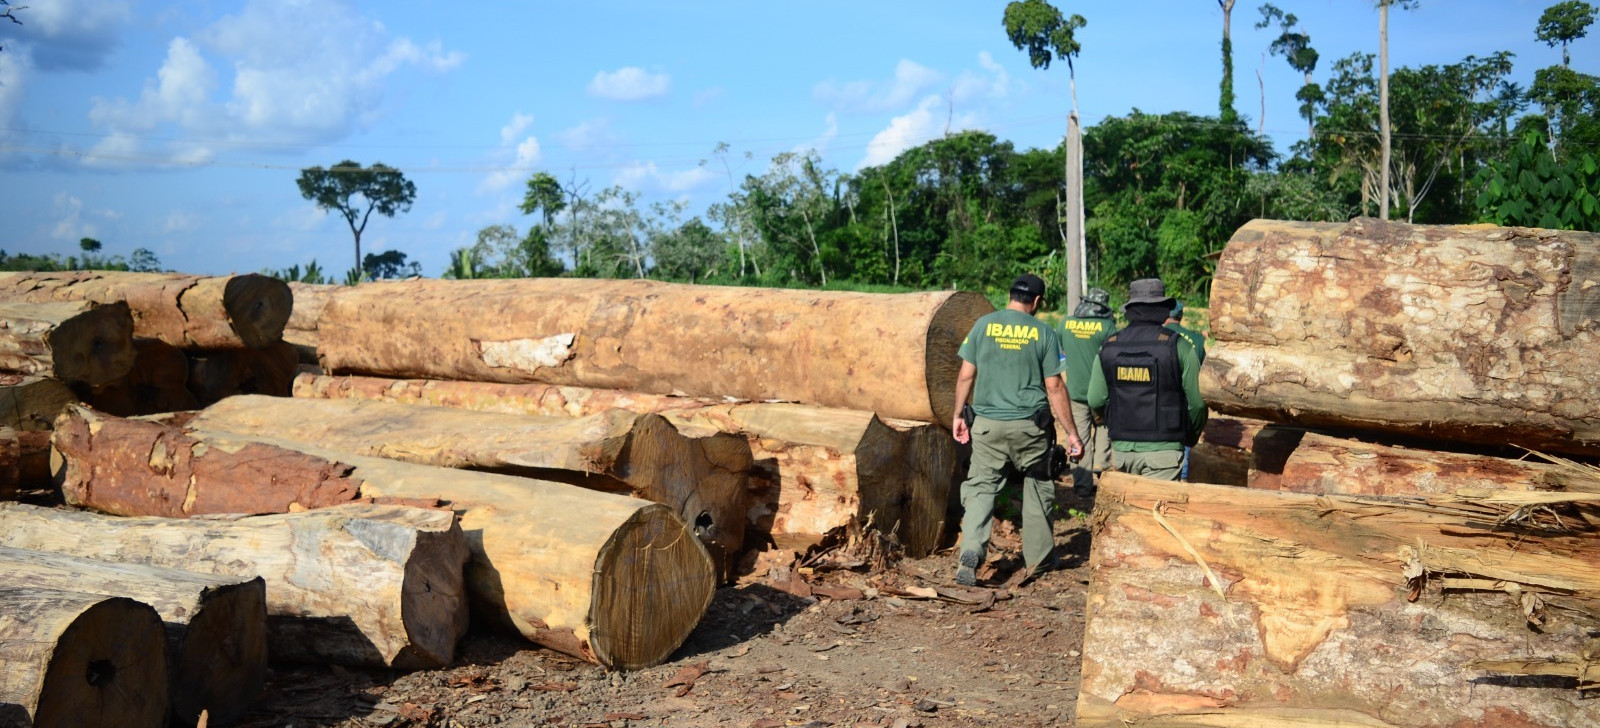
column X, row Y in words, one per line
column 1155, row 464
column 995, row 443
column 1096, row 447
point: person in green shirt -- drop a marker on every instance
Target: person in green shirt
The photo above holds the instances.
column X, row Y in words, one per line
column 1081, row 335
column 1011, row 365
column 1175, row 323
column 1148, row 387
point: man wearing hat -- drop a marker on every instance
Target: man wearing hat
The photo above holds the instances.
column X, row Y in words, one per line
column 1011, row 366
column 1081, row 335
column 1175, row 323
column 1148, row 385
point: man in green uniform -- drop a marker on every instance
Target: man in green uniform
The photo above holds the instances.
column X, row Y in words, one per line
column 1081, row 335
column 1175, row 323
column 1148, row 385
column 1011, row 365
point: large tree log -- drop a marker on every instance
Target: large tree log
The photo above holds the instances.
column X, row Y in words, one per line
column 1450, row 333
column 360, row 585
column 215, row 375
column 158, row 382
column 701, row 475
column 1318, row 463
column 1219, row 606
column 73, row 342
column 32, row 403
column 189, row 312
column 216, row 626
column 893, row 354
column 301, row 330
column 606, row 577
column 816, row 469
column 1222, row 456
column 69, row 659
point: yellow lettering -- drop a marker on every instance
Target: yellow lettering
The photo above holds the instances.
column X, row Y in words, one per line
column 1133, row 374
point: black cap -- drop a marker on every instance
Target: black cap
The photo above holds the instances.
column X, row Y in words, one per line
column 1029, row 285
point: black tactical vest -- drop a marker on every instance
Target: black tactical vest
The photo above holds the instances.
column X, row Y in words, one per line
column 1144, row 381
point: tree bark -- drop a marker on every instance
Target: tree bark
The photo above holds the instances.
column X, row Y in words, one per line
column 215, row 626
column 1318, row 463
column 158, row 382
column 609, row 578
column 301, row 330
column 75, row 342
column 189, row 312
column 32, row 403
column 24, row 461
column 1441, row 333
column 1218, row 606
column 74, row 659
column 360, row 585
column 1222, row 456
column 700, row 474
column 816, row 469
column 890, row 354
column 215, row 375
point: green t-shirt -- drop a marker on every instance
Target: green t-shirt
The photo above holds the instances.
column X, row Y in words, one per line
column 1080, row 341
column 1196, row 339
column 1014, row 353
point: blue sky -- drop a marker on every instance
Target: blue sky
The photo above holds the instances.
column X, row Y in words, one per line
column 181, row 126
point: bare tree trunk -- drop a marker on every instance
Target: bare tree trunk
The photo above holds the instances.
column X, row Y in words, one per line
column 74, row 659
column 216, row 626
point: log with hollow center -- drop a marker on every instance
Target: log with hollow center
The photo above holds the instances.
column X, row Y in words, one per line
column 215, row 626
column 893, row 354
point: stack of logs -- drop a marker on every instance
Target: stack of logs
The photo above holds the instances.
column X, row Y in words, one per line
column 569, row 425
column 1414, row 412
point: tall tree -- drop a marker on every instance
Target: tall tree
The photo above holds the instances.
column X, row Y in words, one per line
column 1225, row 102
column 1040, row 29
column 1563, row 23
column 1294, row 46
column 355, row 192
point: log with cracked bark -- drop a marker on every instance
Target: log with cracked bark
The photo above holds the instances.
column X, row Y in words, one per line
column 700, row 473
column 1317, row 463
column 893, row 354
column 1221, row 606
column 186, row 311
column 72, row 659
column 74, row 342
column 360, row 585
column 817, row 469
column 215, row 626
column 609, row 578
column 1469, row 333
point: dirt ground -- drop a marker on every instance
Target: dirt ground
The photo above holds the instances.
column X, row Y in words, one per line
column 895, row 646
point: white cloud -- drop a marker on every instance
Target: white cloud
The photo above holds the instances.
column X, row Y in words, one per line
column 910, row 80
column 972, row 86
column 820, row 144
column 517, row 157
column 302, row 218
column 178, row 221
column 16, row 68
column 71, row 35
column 647, row 176
column 68, row 213
column 629, row 84
column 929, row 121
column 589, row 135
column 323, row 81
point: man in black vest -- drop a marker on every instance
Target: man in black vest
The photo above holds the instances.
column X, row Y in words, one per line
column 1148, row 385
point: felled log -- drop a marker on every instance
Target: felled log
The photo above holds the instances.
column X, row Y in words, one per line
column 32, row 403
column 215, row 626
column 73, row 659
column 700, row 474
column 73, row 342
column 609, row 578
column 1447, row 333
column 1220, row 606
column 301, row 330
column 360, row 585
column 893, row 354
column 1318, row 463
column 1222, row 455
column 816, row 469
column 158, row 382
column 189, row 312
column 215, row 375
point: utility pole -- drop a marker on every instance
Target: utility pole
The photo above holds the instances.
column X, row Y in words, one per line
column 1383, row 108
column 1074, row 246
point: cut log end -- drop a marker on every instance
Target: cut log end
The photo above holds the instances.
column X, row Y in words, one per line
column 653, row 581
column 94, row 348
column 258, row 307
column 433, row 600
column 223, row 659
column 949, row 325
column 108, row 668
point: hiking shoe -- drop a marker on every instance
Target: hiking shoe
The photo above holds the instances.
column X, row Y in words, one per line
column 966, row 575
